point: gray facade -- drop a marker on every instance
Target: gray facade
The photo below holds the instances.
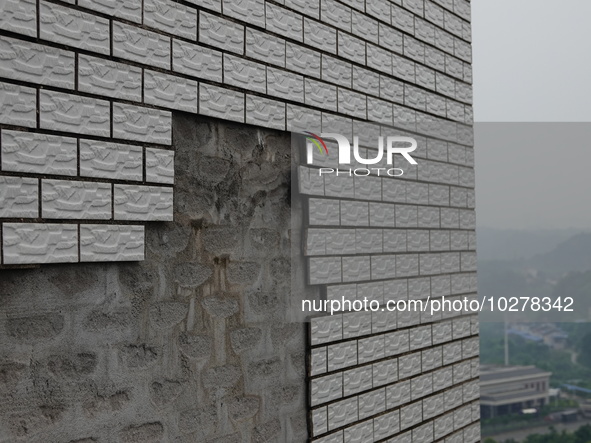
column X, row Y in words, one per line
column 147, row 233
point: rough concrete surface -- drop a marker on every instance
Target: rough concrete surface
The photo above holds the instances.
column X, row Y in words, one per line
column 189, row 345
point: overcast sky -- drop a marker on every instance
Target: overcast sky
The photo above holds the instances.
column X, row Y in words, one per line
column 532, row 63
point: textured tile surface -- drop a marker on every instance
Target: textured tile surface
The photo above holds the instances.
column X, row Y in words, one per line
column 38, row 153
column 146, row 203
column 111, row 79
column 19, row 197
column 111, row 243
column 142, row 124
column 110, row 160
column 76, row 200
column 20, row 60
column 27, row 243
column 74, row 113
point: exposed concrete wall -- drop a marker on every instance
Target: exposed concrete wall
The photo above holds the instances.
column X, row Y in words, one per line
column 189, row 345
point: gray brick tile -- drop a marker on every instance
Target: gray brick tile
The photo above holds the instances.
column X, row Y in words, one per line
column 244, row 74
column 320, row 36
column 320, row 94
column 356, row 4
column 367, row 187
column 265, row 113
column 354, row 213
column 18, row 105
column 320, row 421
column 342, row 413
column 285, row 85
column 301, row 59
column 336, row 437
column 407, row 265
column 342, row 355
column 43, row 65
column 248, row 11
column 391, row 89
column 394, row 240
column 444, row 41
column 221, row 102
column 432, row 406
column 19, row 16
column 75, row 200
column 326, row 389
column 423, row 433
column 340, row 241
column 360, row 432
column 159, row 166
column 403, row 19
column 105, row 243
column 435, row 58
column 221, row 33
column 397, row 394
column 383, row 266
column 356, row 268
column 307, row 7
column 285, row 22
column 38, row 153
column 108, row 78
column 99, row 159
column 386, row 425
column 351, row 48
column 75, row 28
column 19, row 197
column 146, row 203
column 379, row 59
column 366, row 81
column 424, row 31
column 140, row 45
column 390, row 38
column 385, row 372
column 336, row 71
column 213, row 5
column 357, row 380
column 127, row 9
column 324, row 212
column 326, row 329
column 324, row 270
column 356, row 324
column 434, row 13
column 335, row 14
column 265, row 47
column 403, row 68
column 29, row 243
column 73, row 113
column 170, row 92
column 318, row 361
column 372, row 403
column 197, row 61
column 381, row 215
column 171, row 17
column 365, row 27
column 142, row 124
column 453, row 24
column 379, row 111
column 352, row 103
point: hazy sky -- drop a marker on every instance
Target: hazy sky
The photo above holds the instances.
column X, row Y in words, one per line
column 532, row 63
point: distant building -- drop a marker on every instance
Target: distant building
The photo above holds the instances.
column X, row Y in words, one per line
column 511, row 389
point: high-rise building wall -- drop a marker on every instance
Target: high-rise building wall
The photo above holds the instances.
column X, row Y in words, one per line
column 101, row 161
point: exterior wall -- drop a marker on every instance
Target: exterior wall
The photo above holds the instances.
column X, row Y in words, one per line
column 189, row 345
column 88, row 91
column 78, row 76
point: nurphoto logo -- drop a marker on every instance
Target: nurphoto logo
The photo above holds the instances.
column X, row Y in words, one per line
column 393, row 145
